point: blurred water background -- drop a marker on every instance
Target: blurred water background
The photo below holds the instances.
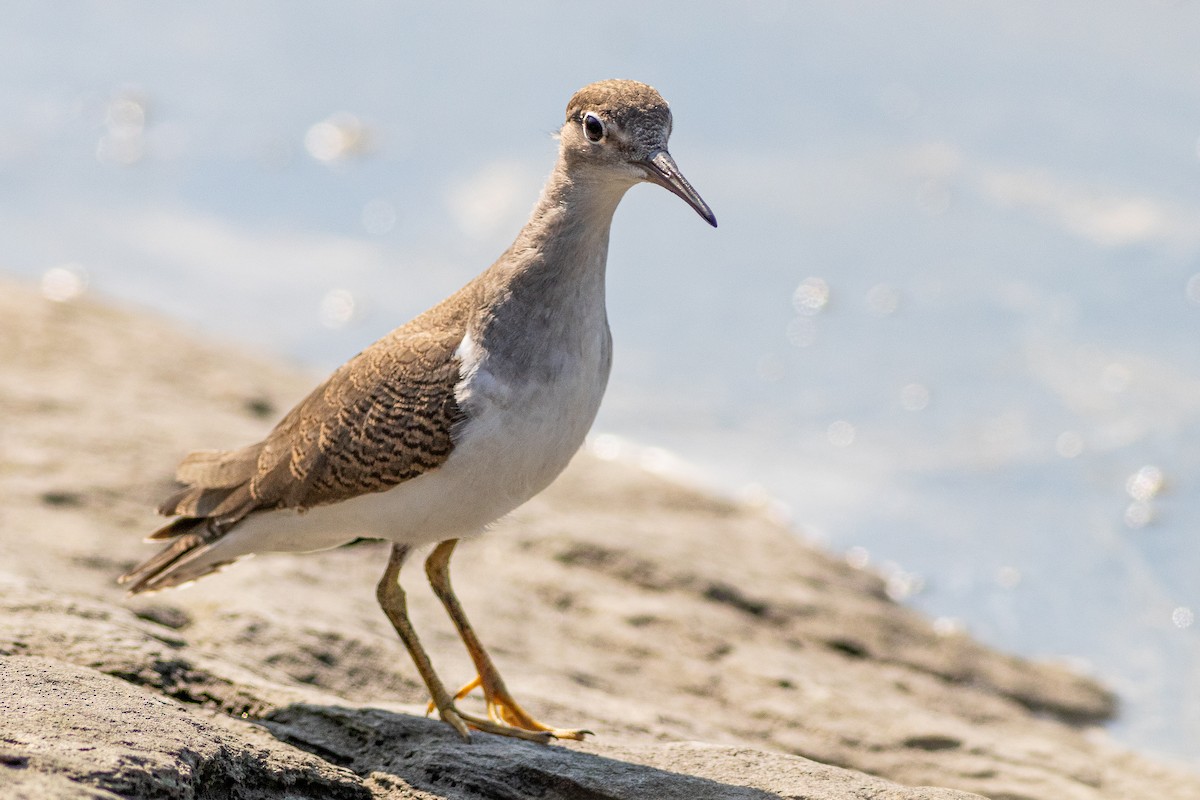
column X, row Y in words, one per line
column 950, row 323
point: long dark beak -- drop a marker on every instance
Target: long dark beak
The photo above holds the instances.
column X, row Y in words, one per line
column 661, row 169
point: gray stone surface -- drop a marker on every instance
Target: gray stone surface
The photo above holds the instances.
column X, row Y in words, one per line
column 715, row 654
column 73, row 732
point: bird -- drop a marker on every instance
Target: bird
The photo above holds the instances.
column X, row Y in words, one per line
column 449, row 422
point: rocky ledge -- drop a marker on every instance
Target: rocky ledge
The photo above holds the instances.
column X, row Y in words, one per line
column 714, row 653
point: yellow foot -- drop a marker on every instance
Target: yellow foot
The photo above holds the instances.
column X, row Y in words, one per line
column 505, row 717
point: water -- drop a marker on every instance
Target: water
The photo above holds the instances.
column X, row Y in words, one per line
column 949, row 318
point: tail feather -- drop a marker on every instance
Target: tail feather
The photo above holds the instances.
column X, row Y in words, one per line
column 225, row 504
column 215, row 497
column 174, row 528
column 189, row 554
column 219, row 469
column 155, row 571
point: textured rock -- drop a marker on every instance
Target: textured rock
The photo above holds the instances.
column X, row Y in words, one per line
column 97, row 702
column 71, row 732
column 618, row 601
column 114, row 739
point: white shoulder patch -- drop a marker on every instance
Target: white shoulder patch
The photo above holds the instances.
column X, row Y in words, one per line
column 467, row 353
column 476, row 384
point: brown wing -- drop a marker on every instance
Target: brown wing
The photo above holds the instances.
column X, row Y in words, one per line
column 385, row 416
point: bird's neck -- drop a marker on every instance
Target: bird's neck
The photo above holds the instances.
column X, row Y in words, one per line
column 565, row 242
column 543, row 300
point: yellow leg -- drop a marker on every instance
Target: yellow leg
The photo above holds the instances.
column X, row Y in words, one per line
column 392, row 601
column 467, row 688
column 501, row 707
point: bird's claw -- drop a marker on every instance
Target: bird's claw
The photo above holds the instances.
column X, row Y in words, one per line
column 504, row 718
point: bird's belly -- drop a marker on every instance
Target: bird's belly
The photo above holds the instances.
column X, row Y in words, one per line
column 526, row 417
column 517, row 440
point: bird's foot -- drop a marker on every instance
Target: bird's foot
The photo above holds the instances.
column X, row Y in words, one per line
column 505, row 717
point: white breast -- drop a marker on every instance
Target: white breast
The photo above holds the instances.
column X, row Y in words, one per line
column 523, row 429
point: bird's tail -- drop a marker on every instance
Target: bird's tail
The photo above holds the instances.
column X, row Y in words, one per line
column 185, row 559
column 215, row 498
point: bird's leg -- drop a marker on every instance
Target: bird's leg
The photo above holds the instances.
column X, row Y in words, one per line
column 392, row 600
column 501, row 707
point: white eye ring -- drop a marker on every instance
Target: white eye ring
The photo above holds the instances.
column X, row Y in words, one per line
column 593, row 128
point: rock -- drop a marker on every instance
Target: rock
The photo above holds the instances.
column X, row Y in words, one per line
column 715, row 654
column 112, row 739
column 72, row 732
column 99, row 703
column 430, row 757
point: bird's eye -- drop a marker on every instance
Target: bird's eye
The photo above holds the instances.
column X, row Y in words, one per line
column 593, row 128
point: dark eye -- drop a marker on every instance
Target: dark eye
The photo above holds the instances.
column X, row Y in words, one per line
column 593, row 128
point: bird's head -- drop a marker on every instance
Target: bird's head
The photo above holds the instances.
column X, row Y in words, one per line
column 620, row 129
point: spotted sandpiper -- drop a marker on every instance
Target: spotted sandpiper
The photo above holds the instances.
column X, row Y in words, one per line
column 452, row 420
